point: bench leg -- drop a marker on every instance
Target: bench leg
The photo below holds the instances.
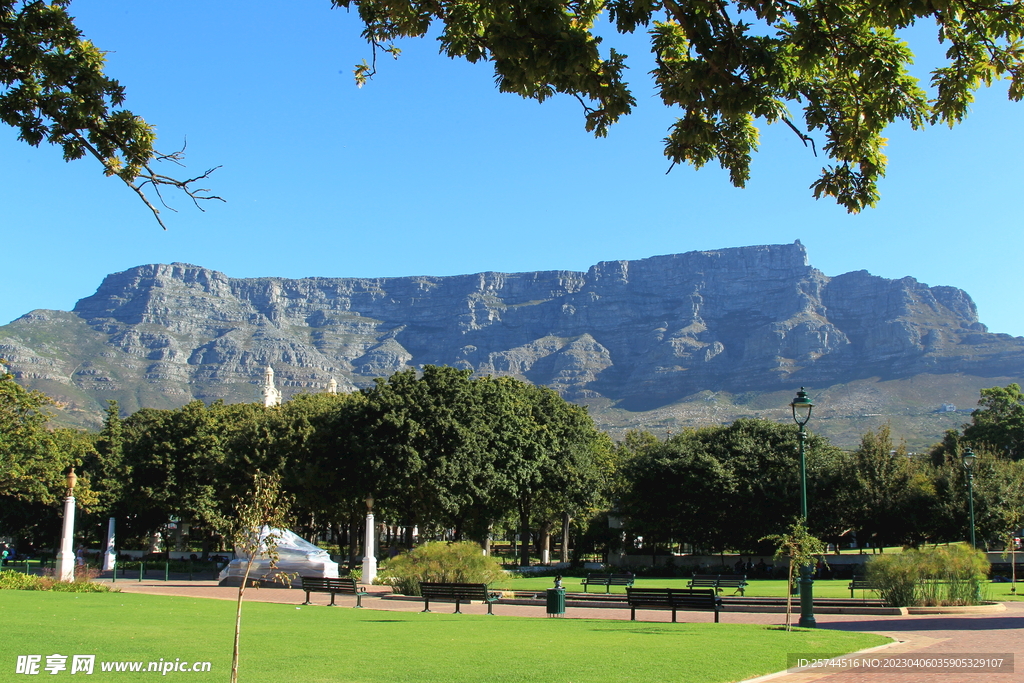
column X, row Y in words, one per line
column 426, row 604
column 716, row 615
column 673, row 616
column 307, row 599
column 632, row 613
column 490, row 607
column 332, row 599
column 458, row 609
column 359, row 601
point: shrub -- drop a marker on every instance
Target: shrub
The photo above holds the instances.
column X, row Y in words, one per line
column 13, row 580
column 81, row 587
column 943, row 575
column 440, row 562
column 26, row 582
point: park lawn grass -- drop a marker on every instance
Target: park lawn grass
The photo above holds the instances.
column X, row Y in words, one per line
column 1000, row 592
column 283, row 643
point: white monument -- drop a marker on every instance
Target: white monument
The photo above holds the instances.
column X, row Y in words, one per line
column 369, row 545
column 332, row 386
column 295, row 556
column 271, row 394
column 110, row 557
column 66, row 554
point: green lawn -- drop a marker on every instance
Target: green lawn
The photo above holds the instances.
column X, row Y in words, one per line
column 1000, row 592
column 285, row 643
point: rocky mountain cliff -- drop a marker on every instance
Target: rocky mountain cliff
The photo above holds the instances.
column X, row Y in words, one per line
column 633, row 335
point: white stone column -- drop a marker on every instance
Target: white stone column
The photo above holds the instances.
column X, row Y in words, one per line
column 369, row 560
column 110, row 557
column 66, row 555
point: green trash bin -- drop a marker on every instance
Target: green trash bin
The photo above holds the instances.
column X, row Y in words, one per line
column 556, row 602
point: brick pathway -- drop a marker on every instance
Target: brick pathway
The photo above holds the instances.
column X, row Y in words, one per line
column 918, row 636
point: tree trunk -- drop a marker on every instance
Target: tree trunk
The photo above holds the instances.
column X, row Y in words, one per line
column 544, row 541
column 566, row 519
column 524, row 534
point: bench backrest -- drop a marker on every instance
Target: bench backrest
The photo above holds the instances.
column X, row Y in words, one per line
column 673, row 597
column 732, row 580
column 704, row 580
column 454, row 591
column 610, row 579
column 319, row 583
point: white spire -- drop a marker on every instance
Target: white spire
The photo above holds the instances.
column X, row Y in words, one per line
column 271, row 394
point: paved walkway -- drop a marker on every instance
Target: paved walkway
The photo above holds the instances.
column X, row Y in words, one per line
column 919, row 636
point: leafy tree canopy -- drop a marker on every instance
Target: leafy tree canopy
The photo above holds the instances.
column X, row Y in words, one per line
column 840, row 65
column 999, row 421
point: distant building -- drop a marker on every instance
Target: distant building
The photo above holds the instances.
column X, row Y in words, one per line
column 271, row 394
column 947, row 408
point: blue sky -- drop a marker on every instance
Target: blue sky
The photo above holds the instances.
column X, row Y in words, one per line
column 429, row 170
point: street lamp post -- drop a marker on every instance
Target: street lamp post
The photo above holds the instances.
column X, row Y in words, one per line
column 66, row 554
column 801, row 407
column 968, row 458
column 369, row 558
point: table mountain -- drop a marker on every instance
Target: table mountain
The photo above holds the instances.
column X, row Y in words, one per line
column 625, row 335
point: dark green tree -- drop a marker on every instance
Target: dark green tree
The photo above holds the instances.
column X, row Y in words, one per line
column 892, row 495
column 998, row 423
column 726, row 488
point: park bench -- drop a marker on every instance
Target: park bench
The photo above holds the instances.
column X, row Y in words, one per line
column 346, row 586
column 673, row 599
column 719, row 581
column 457, row 593
column 607, row 580
column 862, row 585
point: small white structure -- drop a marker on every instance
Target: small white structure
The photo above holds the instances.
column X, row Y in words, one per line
column 110, row 557
column 332, row 386
column 295, row 556
column 271, row 394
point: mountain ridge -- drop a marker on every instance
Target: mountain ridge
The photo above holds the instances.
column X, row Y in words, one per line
column 628, row 336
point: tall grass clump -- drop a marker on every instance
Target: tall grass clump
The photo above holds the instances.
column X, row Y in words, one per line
column 953, row 574
column 939, row 576
column 441, row 562
column 897, row 577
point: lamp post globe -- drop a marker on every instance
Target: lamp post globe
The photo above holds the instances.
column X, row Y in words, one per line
column 802, row 407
